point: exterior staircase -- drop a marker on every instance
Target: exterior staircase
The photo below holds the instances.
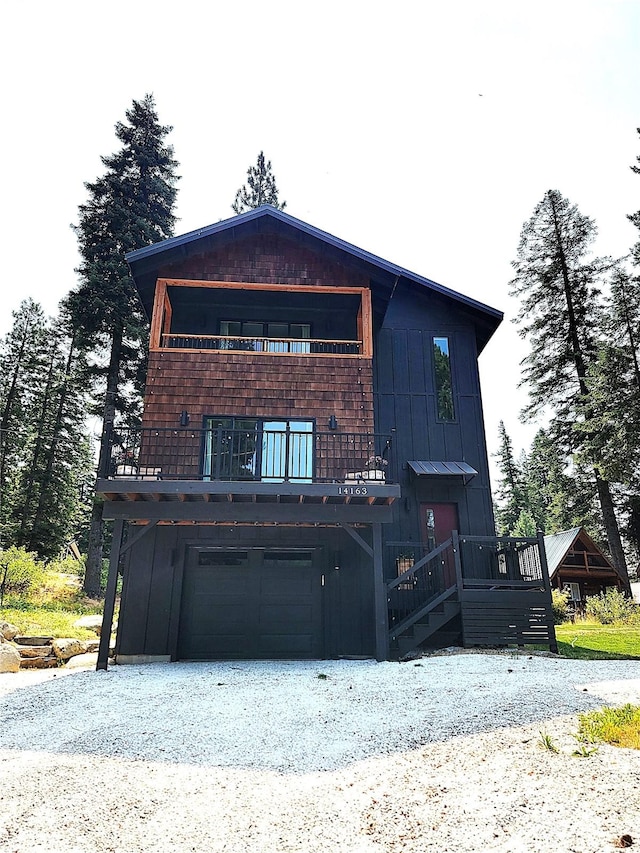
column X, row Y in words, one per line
column 435, row 625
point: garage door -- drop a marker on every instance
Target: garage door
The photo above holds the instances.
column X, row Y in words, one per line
column 250, row 604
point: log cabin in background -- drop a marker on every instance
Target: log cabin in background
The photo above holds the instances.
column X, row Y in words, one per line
column 310, row 479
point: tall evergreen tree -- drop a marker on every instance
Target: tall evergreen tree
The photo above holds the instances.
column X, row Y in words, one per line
column 21, row 368
column 509, row 491
column 130, row 206
column 559, row 287
column 46, row 453
column 260, row 188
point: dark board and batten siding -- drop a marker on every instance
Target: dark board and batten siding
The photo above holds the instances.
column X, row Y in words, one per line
column 405, row 398
column 154, row 571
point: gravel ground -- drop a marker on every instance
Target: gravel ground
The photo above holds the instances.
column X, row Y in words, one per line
column 442, row 754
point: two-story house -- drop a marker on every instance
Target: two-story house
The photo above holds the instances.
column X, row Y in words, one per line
column 310, row 479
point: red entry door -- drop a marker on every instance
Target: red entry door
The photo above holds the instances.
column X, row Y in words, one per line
column 436, row 523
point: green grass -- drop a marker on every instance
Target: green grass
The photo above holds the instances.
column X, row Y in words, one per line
column 46, row 621
column 592, row 641
column 51, row 608
column 617, row 726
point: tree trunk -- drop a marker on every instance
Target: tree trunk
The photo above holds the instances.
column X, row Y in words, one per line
column 613, row 533
column 93, row 568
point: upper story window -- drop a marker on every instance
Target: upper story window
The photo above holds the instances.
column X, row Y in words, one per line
column 444, row 389
column 272, row 451
column 265, row 337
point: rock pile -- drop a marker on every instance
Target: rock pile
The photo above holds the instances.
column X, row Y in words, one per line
column 22, row 652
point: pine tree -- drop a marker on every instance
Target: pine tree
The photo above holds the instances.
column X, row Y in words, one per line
column 130, row 206
column 510, row 491
column 21, row 368
column 559, row 288
column 260, row 188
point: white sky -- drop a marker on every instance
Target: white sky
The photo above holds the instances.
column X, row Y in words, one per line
column 424, row 132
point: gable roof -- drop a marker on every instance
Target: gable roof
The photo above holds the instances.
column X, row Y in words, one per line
column 557, row 546
column 144, row 263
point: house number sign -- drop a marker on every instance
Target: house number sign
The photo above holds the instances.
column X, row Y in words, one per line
column 353, row 490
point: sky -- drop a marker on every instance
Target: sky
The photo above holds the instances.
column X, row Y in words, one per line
column 424, row 132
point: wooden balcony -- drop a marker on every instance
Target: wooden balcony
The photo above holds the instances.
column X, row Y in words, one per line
column 267, row 345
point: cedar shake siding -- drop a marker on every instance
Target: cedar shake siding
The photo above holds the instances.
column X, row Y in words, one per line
column 267, row 258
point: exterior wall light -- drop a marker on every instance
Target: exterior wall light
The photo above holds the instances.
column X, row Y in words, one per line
column 333, row 422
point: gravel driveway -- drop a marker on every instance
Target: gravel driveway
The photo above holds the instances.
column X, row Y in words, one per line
column 441, row 754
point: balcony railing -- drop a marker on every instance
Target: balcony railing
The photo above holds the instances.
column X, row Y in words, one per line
column 296, row 454
column 292, row 346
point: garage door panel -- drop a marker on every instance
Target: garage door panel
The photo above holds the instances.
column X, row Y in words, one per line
column 287, row 645
column 293, row 616
column 253, row 607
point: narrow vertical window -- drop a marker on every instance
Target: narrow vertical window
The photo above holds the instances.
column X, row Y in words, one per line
column 444, row 391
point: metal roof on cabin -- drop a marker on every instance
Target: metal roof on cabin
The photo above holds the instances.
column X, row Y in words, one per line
column 556, row 546
column 143, row 261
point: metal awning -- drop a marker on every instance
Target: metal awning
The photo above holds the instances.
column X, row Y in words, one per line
column 443, row 469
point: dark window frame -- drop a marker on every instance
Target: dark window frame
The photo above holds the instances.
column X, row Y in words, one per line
column 438, row 386
column 304, row 463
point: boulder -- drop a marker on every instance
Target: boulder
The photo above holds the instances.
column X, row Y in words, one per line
column 39, row 663
column 9, row 658
column 91, row 623
column 33, row 641
column 85, row 661
column 65, row 648
column 34, row 651
column 7, row 630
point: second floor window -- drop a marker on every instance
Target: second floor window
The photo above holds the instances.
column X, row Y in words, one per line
column 272, row 451
column 266, row 337
column 444, row 389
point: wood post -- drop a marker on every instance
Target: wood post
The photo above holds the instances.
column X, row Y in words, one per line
column 380, row 596
column 110, row 595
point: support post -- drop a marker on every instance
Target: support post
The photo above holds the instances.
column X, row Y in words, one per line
column 553, row 643
column 110, row 595
column 457, row 560
column 380, row 597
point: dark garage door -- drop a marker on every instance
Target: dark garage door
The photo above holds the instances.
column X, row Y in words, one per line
column 250, row 604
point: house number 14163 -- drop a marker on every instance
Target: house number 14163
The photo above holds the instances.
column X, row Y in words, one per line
column 352, row 490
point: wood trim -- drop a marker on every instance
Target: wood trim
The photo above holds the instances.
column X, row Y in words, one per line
column 158, row 310
column 168, row 314
column 242, row 285
column 366, row 334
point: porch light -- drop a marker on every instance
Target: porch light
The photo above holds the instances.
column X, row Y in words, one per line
column 333, row 422
column 184, row 418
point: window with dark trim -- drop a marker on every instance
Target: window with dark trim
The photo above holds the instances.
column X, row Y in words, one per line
column 442, row 369
column 269, row 450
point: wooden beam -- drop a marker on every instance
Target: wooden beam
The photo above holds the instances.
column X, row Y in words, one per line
column 260, row 513
column 380, row 597
column 244, row 285
column 357, row 538
column 158, row 311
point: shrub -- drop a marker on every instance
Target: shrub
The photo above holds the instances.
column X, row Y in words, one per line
column 610, row 607
column 19, row 571
column 560, row 605
column 68, row 566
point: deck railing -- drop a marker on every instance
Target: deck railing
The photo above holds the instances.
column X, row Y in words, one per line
column 291, row 346
column 422, row 576
column 501, row 583
column 297, row 454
